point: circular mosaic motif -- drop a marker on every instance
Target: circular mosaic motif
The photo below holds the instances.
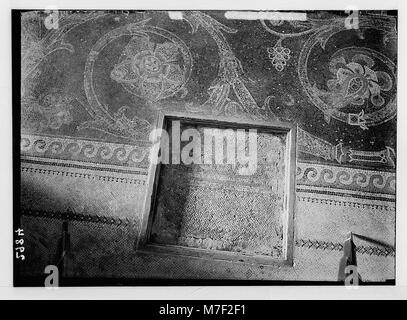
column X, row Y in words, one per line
column 152, row 70
column 359, row 85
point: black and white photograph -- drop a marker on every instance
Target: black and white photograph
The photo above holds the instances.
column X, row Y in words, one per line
column 183, row 146
column 202, row 159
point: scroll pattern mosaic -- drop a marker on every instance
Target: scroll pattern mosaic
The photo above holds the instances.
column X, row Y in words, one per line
column 92, row 87
column 103, row 76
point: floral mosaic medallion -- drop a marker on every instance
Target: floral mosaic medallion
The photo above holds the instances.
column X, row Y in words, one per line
column 151, row 70
column 155, row 64
column 356, row 82
column 359, row 83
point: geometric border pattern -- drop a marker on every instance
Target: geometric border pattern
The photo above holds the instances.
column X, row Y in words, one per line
column 342, row 203
column 114, row 221
column 130, row 157
column 72, row 216
column 332, row 246
column 84, row 175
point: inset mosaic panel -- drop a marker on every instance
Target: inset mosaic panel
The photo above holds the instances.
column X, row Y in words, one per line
column 215, row 207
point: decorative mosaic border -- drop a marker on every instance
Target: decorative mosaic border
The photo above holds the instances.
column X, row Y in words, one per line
column 346, row 178
column 346, row 203
column 142, row 181
column 114, row 221
column 84, row 150
column 125, row 157
column 79, row 217
column 90, row 176
column 336, row 246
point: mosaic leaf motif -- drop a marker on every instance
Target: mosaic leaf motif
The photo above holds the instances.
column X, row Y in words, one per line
column 51, row 112
column 160, row 64
column 356, row 82
column 360, row 90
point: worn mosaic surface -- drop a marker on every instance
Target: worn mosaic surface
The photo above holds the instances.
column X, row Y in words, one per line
column 104, row 75
column 93, row 84
column 214, row 207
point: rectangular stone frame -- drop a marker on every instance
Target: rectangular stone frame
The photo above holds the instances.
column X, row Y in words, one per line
column 152, row 183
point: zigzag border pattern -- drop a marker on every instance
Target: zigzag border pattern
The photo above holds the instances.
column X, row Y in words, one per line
column 79, row 217
column 332, row 246
column 114, row 221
